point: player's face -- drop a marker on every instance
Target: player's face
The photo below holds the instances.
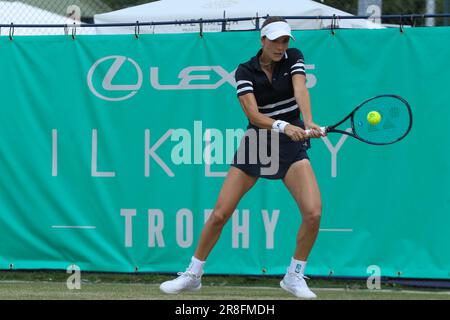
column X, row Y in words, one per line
column 275, row 49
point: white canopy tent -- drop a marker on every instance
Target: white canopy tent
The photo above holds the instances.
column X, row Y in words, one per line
column 188, row 10
column 17, row 12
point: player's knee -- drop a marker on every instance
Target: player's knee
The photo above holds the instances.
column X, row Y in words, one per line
column 220, row 215
column 217, row 219
column 313, row 215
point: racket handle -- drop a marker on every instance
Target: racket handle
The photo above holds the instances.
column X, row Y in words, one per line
column 323, row 129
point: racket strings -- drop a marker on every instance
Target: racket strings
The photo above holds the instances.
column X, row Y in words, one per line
column 394, row 122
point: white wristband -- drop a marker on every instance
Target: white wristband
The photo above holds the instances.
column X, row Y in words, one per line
column 279, row 125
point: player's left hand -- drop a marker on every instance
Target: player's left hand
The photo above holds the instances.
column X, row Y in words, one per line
column 315, row 130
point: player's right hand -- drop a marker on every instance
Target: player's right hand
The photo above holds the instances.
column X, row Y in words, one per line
column 295, row 133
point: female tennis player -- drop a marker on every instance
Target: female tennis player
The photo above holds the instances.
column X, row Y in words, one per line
column 271, row 88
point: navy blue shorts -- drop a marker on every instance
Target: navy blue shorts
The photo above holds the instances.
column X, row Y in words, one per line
column 259, row 155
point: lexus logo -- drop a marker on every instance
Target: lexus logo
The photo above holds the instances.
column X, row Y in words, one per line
column 128, row 89
column 204, row 77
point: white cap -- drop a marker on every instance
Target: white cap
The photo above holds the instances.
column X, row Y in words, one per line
column 277, row 29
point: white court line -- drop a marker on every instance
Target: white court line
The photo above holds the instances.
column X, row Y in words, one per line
column 74, row 227
column 318, row 289
column 336, row 230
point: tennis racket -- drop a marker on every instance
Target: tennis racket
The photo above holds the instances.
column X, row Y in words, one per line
column 392, row 120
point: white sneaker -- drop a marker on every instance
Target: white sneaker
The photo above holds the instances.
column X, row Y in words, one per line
column 295, row 283
column 187, row 281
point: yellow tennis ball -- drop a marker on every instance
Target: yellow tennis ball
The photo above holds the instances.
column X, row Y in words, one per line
column 374, row 117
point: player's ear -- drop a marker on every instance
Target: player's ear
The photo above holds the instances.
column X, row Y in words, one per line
column 263, row 40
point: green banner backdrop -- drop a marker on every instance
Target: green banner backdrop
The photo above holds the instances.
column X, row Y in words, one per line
column 103, row 141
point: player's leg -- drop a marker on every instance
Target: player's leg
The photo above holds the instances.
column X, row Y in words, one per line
column 302, row 184
column 236, row 184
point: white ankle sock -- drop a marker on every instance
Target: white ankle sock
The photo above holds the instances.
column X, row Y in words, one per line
column 196, row 266
column 297, row 266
